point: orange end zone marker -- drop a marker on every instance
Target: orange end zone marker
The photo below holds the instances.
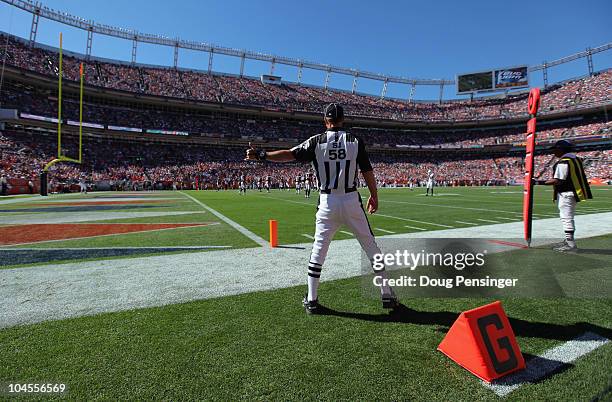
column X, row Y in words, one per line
column 482, row 341
column 273, row 233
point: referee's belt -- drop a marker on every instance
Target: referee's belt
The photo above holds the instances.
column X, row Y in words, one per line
column 346, row 190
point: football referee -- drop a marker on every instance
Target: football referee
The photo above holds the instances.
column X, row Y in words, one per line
column 336, row 157
column 570, row 186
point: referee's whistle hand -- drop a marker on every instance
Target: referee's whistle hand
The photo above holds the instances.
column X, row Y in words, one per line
column 372, row 204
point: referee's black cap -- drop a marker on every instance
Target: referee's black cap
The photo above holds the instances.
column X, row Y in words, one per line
column 334, row 112
column 564, row 145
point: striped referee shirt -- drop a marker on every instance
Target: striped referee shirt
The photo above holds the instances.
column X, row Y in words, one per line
column 335, row 156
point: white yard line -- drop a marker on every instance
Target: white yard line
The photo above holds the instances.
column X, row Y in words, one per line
column 507, row 219
column 487, row 220
column 547, row 363
column 414, row 220
column 440, row 195
column 467, row 223
column 131, row 200
column 230, row 222
column 310, row 204
column 311, row 237
column 71, row 217
column 451, row 207
column 414, row 227
column 599, row 201
column 346, row 233
column 384, row 230
column 589, row 209
column 78, row 197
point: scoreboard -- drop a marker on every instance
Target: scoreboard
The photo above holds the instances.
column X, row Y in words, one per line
column 493, row 80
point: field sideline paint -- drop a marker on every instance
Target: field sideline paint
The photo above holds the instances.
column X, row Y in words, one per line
column 547, row 363
column 262, row 242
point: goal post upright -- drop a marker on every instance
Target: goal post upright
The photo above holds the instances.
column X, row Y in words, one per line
column 59, row 102
column 81, row 113
column 60, row 157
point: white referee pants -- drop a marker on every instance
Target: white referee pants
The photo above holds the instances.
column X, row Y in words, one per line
column 567, row 210
column 335, row 210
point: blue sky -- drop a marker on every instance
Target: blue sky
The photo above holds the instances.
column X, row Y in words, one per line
column 423, row 39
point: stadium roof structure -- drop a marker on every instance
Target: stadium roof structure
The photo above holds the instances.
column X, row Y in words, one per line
column 38, row 10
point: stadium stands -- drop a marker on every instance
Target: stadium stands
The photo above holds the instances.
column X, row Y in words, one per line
column 410, row 129
column 199, row 86
column 42, row 102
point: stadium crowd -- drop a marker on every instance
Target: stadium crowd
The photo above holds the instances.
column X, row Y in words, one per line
column 42, row 102
column 201, row 86
column 146, row 165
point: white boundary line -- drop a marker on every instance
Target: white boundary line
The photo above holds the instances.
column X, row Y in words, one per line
column 547, row 363
column 93, row 217
column 230, row 222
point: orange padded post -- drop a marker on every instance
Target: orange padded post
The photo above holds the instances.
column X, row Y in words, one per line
column 273, row 233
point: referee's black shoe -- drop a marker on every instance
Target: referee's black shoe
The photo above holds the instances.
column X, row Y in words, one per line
column 311, row 307
column 390, row 302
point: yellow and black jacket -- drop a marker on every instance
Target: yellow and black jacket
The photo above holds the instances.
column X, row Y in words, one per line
column 576, row 181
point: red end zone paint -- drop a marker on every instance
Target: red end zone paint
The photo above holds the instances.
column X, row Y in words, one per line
column 11, row 235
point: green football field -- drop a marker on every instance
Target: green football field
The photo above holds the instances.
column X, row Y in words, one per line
column 401, row 211
column 259, row 344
